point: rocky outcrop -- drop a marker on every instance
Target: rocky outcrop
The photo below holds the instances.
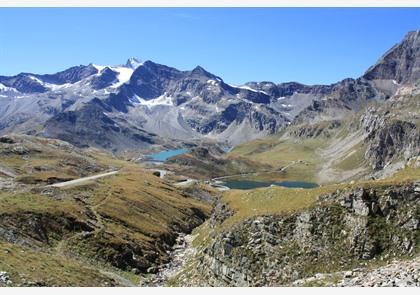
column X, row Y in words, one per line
column 4, row 279
column 35, row 230
column 343, row 229
column 389, row 139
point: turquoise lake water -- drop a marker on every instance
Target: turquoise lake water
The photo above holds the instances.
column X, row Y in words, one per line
column 164, row 155
column 251, row 184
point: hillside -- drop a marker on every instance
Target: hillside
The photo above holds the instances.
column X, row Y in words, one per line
column 101, row 232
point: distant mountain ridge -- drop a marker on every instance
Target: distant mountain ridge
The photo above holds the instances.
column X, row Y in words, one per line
column 139, row 104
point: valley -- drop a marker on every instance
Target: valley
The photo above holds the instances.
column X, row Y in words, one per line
column 145, row 175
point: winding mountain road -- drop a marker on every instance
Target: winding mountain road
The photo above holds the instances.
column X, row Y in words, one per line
column 83, row 179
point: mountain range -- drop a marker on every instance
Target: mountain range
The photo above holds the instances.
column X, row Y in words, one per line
column 141, row 104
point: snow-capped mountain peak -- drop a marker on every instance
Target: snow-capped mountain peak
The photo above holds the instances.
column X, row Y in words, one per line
column 133, row 63
column 124, row 75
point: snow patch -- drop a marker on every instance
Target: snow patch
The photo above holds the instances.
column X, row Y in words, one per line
column 124, row 75
column 212, row 82
column 99, row 68
column 50, row 86
column 4, row 88
column 55, row 87
column 36, row 80
column 248, row 88
column 159, row 101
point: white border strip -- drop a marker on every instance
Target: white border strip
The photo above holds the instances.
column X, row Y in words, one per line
column 209, row 3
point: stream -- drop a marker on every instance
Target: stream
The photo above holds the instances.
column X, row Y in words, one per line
column 181, row 252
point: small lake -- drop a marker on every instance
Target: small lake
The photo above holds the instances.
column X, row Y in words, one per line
column 164, row 155
column 251, row 184
column 227, row 149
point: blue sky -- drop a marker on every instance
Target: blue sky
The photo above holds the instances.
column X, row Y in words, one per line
column 313, row 45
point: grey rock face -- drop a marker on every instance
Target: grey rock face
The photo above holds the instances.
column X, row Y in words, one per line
column 389, row 138
column 90, row 126
column 106, row 79
column 151, row 79
column 401, row 63
column 341, row 100
column 71, row 75
column 24, row 83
